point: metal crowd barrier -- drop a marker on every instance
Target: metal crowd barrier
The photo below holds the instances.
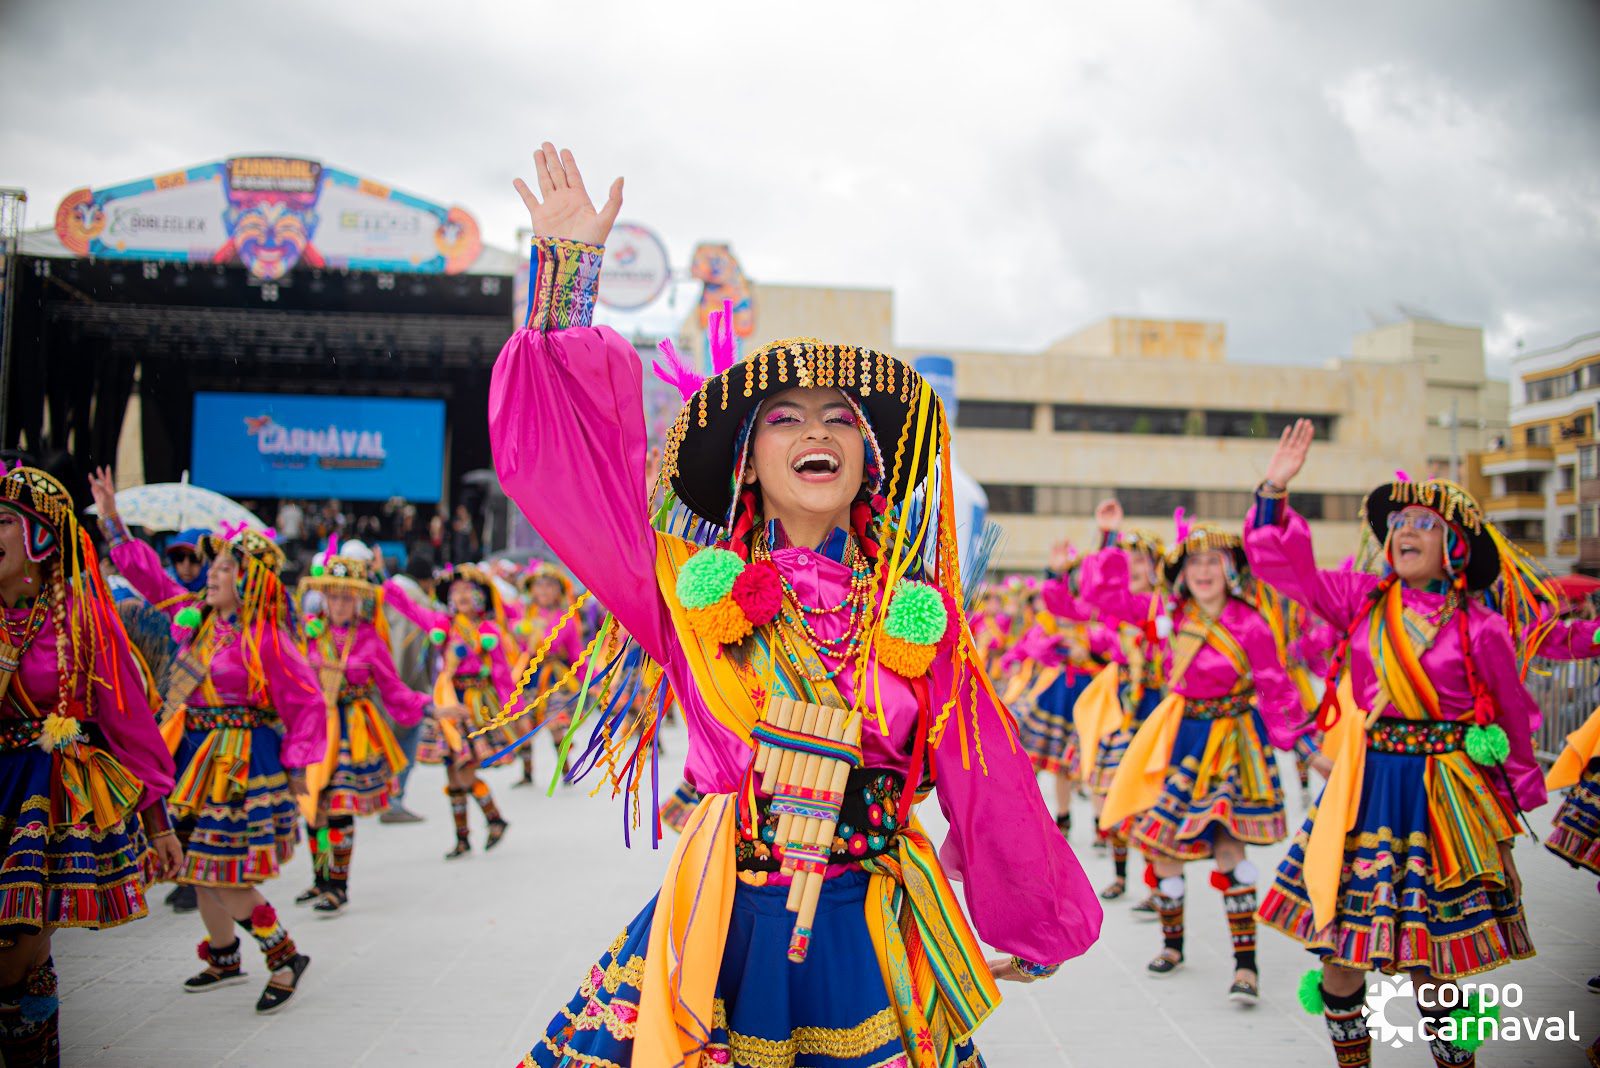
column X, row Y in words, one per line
column 1567, row 691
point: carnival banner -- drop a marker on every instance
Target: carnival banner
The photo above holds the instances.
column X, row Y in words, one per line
column 291, row 445
column 268, row 213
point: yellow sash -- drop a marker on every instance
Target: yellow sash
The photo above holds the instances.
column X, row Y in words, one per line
column 1345, row 743
column 219, row 771
column 1583, row 745
column 1233, row 739
column 1097, row 714
column 369, row 732
column 93, row 786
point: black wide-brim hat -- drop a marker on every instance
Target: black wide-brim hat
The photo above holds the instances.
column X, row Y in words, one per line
column 700, row 459
column 1203, row 539
column 1452, row 503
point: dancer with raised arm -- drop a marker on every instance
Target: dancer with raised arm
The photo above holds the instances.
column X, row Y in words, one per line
column 85, row 774
column 813, row 639
column 1199, row 780
column 1405, row 864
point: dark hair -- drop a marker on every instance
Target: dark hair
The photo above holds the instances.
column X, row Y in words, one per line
column 420, row 564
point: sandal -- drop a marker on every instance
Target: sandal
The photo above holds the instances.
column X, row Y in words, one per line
column 332, row 903
column 1146, row 909
column 463, row 847
column 308, row 895
column 275, row 996
column 497, row 831
column 1115, row 889
column 224, row 968
column 1245, row 992
column 1164, row 963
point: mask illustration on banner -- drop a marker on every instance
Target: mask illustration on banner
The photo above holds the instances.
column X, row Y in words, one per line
column 724, row 280
column 271, row 216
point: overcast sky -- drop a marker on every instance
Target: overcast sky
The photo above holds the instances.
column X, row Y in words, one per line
column 1013, row 170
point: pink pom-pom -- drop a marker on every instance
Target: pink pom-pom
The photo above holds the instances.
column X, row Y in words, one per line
column 1221, row 880
column 758, row 592
column 952, row 621
column 203, row 951
column 263, row 915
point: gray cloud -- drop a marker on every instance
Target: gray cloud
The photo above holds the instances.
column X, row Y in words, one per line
column 1013, row 172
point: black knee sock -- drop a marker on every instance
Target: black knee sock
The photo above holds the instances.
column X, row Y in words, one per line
column 30, row 1020
column 341, row 848
column 1347, row 1028
column 1119, row 856
column 1445, row 1054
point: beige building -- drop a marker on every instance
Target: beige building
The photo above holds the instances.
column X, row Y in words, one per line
column 1153, row 412
column 1466, row 410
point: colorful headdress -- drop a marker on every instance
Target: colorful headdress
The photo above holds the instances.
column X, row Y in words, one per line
column 494, row 607
column 44, row 503
column 1143, row 541
column 1204, row 538
column 252, row 547
column 335, row 569
column 540, row 571
column 1476, row 548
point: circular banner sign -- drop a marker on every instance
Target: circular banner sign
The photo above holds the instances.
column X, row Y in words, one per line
column 636, row 268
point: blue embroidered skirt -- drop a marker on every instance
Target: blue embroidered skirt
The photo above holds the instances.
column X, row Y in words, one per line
column 1045, row 724
column 830, row 1012
column 1576, row 836
column 63, row 875
column 1391, row 915
column 1186, row 818
column 245, row 836
column 361, row 787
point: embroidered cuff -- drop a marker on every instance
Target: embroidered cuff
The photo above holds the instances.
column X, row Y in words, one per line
column 562, row 280
column 1269, row 510
column 1303, row 749
column 114, row 530
column 1034, row 971
column 1108, row 539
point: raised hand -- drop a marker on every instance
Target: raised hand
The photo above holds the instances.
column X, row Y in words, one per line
column 563, row 208
column 1108, row 514
column 1061, row 556
column 1290, row 456
column 104, row 490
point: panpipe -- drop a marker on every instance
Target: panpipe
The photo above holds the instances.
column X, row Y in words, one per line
column 803, row 761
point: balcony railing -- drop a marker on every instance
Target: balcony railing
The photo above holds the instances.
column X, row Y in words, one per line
column 1526, row 456
column 1567, row 691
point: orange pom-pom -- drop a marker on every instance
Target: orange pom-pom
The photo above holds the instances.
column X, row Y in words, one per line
column 724, row 622
column 903, row 657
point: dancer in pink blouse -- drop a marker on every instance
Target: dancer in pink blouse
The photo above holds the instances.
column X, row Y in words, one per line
column 1199, row 780
column 348, row 646
column 812, row 588
column 85, row 773
column 244, row 713
column 549, row 593
column 474, row 680
column 1405, row 865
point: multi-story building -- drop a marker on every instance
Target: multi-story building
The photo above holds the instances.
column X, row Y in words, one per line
column 1150, row 411
column 1541, row 479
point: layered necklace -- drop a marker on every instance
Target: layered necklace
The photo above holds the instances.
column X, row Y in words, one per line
column 19, row 635
column 797, row 616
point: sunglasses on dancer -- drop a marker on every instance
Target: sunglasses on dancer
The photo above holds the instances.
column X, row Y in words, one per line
column 1418, row 521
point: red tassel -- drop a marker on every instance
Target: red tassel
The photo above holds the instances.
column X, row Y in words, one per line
column 1328, row 710
column 744, row 521
column 861, row 517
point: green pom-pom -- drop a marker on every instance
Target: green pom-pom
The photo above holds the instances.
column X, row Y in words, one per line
column 189, row 617
column 487, row 642
column 315, row 628
column 1473, row 1019
column 916, row 614
column 1488, row 745
column 708, row 576
column 1311, row 991
column 317, row 570
column 437, row 635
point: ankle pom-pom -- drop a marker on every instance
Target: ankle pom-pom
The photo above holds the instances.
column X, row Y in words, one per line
column 1221, row 880
column 203, row 950
column 1150, row 879
column 1488, row 746
column 1310, row 992
column 263, row 918
column 1472, row 1022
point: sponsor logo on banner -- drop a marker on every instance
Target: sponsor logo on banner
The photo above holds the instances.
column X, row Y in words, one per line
column 1467, row 1012
column 636, row 268
column 269, row 214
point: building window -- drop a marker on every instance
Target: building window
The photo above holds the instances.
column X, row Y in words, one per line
column 1537, row 435
column 1156, row 502
column 1069, row 500
column 1224, row 424
column 1342, row 507
column 1564, row 479
column 1588, row 521
column 1544, row 389
column 1587, row 467
column 1104, row 419
column 994, row 415
column 1223, row 505
column 1524, row 482
column 1524, row 530
column 1009, row 499
column 1567, row 529
column 1591, row 376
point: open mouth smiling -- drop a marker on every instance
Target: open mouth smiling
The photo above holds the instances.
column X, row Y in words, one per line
column 816, row 465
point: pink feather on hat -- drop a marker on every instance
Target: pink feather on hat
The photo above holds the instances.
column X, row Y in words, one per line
column 1401, row 476
column 1180, row 522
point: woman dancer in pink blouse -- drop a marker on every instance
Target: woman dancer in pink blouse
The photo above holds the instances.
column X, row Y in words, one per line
column 808, row 584
column 1199, row 780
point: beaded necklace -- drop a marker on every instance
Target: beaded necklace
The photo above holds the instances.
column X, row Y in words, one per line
column 795, row 614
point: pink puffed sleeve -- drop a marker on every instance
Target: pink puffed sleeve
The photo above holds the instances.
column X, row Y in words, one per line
column 1571, row 639
column 499, row 667
column 1103, row 586
column 403, row 704
column 1518, row 714
column 1276, row 696
column 566, row 424
column 1104, row 643
column 396, row 597
column 123, row 712
column 1281, row 555
column 1038, row 645
column 1060, row 602
column 1025, row 890
column 296, row 696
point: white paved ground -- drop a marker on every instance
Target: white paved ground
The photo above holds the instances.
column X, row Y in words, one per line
column 464, row 963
